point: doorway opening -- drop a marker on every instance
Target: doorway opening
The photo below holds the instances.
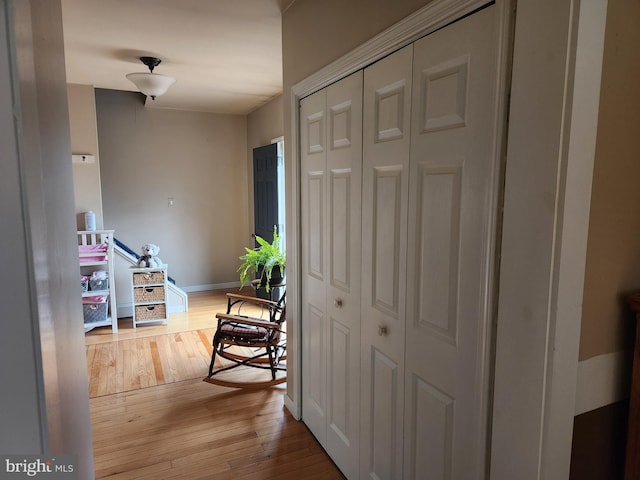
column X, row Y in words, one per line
column 269, row 190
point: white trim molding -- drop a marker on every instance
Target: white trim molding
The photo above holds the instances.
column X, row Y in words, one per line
column 428, row 19
column 210, row 286
column 603, row 380
column 551, row 149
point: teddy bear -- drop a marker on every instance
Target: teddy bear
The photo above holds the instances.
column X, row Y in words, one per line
column 149, row 258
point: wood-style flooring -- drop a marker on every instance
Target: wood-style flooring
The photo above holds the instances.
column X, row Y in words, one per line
column 135, row 363
column 154, row 418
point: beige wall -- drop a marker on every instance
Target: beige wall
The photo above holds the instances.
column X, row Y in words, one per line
column 198, row 159
column 84, row 140
column 613, row 255
column 316, row 33
column 613, row 249
column 263, row 125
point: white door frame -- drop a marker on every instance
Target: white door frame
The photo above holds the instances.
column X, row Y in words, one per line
column 551, row 146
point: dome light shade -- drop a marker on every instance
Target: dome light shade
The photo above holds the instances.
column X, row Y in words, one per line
column 151, row 84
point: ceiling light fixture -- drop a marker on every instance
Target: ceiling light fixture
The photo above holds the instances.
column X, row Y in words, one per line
column 151, row 84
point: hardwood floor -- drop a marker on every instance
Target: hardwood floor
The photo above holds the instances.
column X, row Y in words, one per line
column 202, row 309
column 154, row 418
column 134, row 363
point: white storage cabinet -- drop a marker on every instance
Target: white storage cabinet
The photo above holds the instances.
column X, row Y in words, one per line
column 95, row 252
column 149, row 286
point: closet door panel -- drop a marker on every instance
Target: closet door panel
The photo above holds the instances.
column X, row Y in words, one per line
column 344, row 170
column 432, row 411
column 315, row 346
column 341, row 195
column 339, row 363
column 385, row 241
column 331, row 178
column 314, row 216
column 437, row 248
column 451, row 211
column 313, row 258
column 385, row 463
column 386, row 136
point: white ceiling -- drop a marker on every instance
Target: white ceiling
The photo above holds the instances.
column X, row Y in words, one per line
column 225, row 54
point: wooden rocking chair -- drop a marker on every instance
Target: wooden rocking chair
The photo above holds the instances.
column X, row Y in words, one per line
column 256, row 324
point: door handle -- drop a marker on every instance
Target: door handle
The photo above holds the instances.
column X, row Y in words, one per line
column 382, row 330
column 337, row 303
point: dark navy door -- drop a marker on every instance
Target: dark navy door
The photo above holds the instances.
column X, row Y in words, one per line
column 265, row 190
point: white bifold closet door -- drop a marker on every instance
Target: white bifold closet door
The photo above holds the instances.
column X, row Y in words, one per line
column 385, row 194
column 399, row 174
column 429, row 181
column 331, row 165
column 452, row 208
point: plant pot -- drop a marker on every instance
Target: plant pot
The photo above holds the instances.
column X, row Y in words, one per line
column 277, row 277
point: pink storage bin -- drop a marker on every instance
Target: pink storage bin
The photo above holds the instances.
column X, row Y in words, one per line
column 94, row 309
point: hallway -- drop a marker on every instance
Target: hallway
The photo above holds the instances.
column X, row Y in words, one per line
column 153, row 417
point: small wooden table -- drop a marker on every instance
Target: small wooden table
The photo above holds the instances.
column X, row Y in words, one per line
column 632, row 463
column 272, row 287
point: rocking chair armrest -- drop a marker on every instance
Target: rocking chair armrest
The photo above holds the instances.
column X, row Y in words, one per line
column 247, row 320
column 255, row 300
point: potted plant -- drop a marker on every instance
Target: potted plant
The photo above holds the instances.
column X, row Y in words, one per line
column 267, row 261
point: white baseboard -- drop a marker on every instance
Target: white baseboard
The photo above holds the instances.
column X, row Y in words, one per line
column 603, row 380
column 210, row 286
column 292, row 407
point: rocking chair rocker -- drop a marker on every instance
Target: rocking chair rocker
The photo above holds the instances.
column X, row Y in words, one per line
column 254, row 323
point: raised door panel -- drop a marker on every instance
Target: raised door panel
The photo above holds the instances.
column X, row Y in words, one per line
column 386, row 223
column 437, row 249
column 313, row 179
column 344, row 175
column 452, row 201
column 431, row 432
column 314, row 349
column 385, row 176
column 382, row 420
